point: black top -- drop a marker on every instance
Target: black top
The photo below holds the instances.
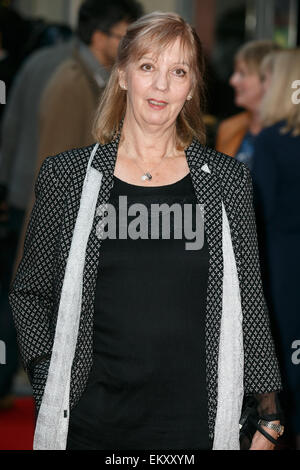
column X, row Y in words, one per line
column 147, row 386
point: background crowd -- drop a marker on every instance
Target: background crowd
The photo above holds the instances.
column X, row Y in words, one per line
column 54, row 77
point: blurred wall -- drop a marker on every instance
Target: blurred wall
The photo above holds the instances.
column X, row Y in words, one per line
column 66, row 10
column 159, row 5
column 54, row 10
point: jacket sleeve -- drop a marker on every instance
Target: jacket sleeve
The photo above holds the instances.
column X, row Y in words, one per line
column 261, row 368
column 31, row 292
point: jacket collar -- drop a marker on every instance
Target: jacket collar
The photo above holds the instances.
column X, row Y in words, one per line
column 106, row 156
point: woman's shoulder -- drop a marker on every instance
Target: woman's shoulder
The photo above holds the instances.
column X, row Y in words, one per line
column 275, row 145
column 226, row 168
column 272, row 131
column 73, row 156
column 66, row 164
column 233, row 177
column 277, row 139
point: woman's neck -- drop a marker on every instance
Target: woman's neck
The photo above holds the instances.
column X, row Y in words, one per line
column 255, row 123
column 148, row 143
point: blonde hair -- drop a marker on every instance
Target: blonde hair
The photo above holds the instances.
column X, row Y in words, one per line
column 253, row 53
column 277, row 104
column 154, row 32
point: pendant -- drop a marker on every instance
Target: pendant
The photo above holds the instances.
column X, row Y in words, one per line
column 146, row 177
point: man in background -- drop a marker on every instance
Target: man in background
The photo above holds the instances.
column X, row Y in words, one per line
column 71, row 98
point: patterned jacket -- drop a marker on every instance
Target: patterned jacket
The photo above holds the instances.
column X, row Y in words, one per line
column 35, row 292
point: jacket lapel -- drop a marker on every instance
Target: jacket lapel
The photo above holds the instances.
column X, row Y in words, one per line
column 104, row 161
column 71, row 208
column 207, row 188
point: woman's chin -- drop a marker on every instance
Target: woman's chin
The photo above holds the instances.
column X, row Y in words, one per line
column 155, row 121
column 240, row 102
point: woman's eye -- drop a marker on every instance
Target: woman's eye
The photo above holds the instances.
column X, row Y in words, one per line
column 147, row 67
column 180, row 73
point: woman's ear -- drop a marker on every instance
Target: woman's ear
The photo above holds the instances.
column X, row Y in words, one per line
column 122, row 79
column 190, row 95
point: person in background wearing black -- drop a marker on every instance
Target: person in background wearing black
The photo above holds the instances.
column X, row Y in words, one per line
column 276, row 175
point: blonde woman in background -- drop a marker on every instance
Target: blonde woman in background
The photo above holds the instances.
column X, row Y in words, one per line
column 276, row 174
column 236, row 134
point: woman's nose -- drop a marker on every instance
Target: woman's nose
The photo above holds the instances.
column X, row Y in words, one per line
column 233, row 79
column 161, row 80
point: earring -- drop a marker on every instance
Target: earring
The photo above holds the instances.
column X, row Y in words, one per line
column 189, row 98
column 123, row 87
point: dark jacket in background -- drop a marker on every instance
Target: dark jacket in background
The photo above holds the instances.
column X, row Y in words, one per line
column 276, row 176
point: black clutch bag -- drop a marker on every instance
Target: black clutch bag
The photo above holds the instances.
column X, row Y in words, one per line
column 248, row 422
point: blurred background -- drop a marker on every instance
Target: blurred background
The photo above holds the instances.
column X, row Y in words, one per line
column 41, row 49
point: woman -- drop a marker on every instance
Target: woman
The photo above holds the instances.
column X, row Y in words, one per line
column 236, row 134
column 276, row 174
column 125, row 350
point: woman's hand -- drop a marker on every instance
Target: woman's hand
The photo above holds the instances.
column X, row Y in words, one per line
column 260, row 442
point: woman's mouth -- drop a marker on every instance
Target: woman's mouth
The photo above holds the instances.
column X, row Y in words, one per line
column 157, row 104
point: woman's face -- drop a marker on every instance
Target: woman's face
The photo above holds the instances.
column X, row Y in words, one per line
column 247, row 86
column 157, row 87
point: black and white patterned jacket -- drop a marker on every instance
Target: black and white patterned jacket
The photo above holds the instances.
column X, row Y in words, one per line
column 35, row 292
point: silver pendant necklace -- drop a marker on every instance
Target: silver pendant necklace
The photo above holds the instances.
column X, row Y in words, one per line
column 147, row 175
